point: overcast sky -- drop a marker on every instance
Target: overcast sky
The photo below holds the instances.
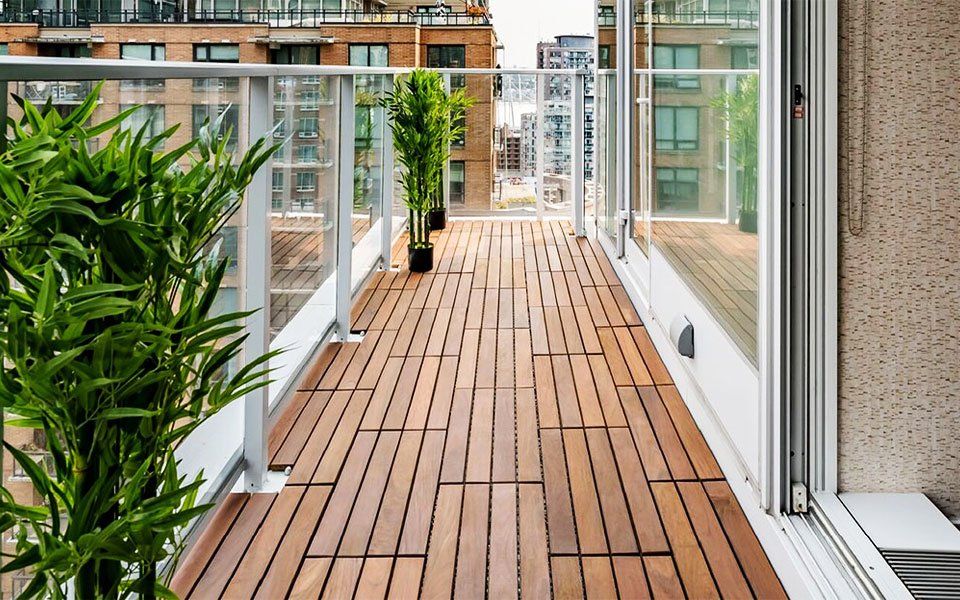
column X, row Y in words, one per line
column 522, row 23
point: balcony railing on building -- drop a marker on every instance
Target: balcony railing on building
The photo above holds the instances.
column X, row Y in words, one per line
column 273, row 17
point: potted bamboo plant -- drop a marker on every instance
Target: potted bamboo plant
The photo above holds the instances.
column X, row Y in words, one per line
column 423, row 118
column 110, row 342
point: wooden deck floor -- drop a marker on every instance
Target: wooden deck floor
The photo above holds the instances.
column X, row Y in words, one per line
column 504, row 429
column 720, row 264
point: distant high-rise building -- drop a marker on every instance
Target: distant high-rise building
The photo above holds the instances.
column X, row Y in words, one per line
column 567, row 52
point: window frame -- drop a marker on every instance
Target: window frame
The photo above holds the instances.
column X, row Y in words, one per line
column 676, row 182
column 679, row 83
column 675, row 141
column 367, row 47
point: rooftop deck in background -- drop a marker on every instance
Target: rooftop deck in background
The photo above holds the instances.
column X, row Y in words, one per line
column 504, row 429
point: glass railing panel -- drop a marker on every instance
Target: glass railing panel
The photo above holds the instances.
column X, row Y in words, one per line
column 165, row 104
column 703, row 181
column 472, row 157
column 303, row 207
column 556, row 108
column 604, row 185
column 368, row 175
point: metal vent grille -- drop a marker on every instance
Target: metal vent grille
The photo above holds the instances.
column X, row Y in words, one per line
column 928, row 575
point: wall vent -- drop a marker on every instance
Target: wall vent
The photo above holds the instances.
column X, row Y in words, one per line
column 918, row 542
column 928, row 575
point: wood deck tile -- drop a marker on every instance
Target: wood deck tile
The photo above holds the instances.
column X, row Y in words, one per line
column 505, row 429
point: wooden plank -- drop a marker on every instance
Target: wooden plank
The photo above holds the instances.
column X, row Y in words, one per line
column 629, row 573
column 336, row 452
column 394, row 504
column 442, row 554
column 567, row 581
column 503, row 541
column 691, row 564
column 416, row 526
column 654, row 465
column 503, row 359
column 696, row 446
column 607, row 392
column 286, row 423
column 359, row 527
column 480, row 445
column 730, row 579
column 598, row 577
column 419, row 409
column 534, row 565
column 546, row 392
column 265, row 543
column 207, row 544
column 406, row 578
column 673, row 451
column 763, row 580
column 586, row 506
column 662, row 573
column 658, row 371
column 224, row 562
column 327, row 537
column 455, row 453
column 528, row 441
column 563, row 537
column 586, row 391
column 504, row 437
column 278, row 578
column 343, row 578
column 643, row 511
column 523, row 358
column 374, row 578
column 310, row 580
column 566, row 393
column 616, row 516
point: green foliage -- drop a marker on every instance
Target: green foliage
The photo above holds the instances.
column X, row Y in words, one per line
column 740, row 110
column 109, row 340
column 425, row 120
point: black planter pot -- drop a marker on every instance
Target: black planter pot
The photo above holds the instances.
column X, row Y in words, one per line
column 420, row 259
column 748, row 221
column 438, row 219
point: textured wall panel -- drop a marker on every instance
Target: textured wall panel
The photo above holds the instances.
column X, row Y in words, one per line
column 900, row 248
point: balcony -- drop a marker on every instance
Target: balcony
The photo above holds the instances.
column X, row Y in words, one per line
column 276, row 18
column 503, row 425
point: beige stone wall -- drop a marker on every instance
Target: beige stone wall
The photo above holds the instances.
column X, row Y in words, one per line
column 899, row 396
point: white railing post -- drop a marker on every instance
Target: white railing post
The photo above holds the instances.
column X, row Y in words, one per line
column 540, row 144
column 256, row 286
column 626, row 99
column 448, row 84
column 344, row 223
column 578, row 156
column 386, row 196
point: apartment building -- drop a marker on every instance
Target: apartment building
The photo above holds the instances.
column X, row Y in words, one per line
column 304, row 178
column 567, row 52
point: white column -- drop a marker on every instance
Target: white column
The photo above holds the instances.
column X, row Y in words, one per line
column 256, row 286
column 578, row 156
column 386, row 196
column 344, row 223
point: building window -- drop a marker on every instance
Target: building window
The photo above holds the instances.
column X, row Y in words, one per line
column 302, row 204
column 307, row 181
column 677, row 127
column 369, row 55
column 678, row 189
column 307, row 154
column 603, row 58
column 229, row 248
column 676, row 57
column 230, row 123
column 4, row 50
column 151, row 116
column 309, row 127
column 278, row 182
column 151, row 52
column 219, row 53
column 216, row 53
column 458, row 180
column 744, row 57
column 310, row 100
column 295, row 55
column 449, row 57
